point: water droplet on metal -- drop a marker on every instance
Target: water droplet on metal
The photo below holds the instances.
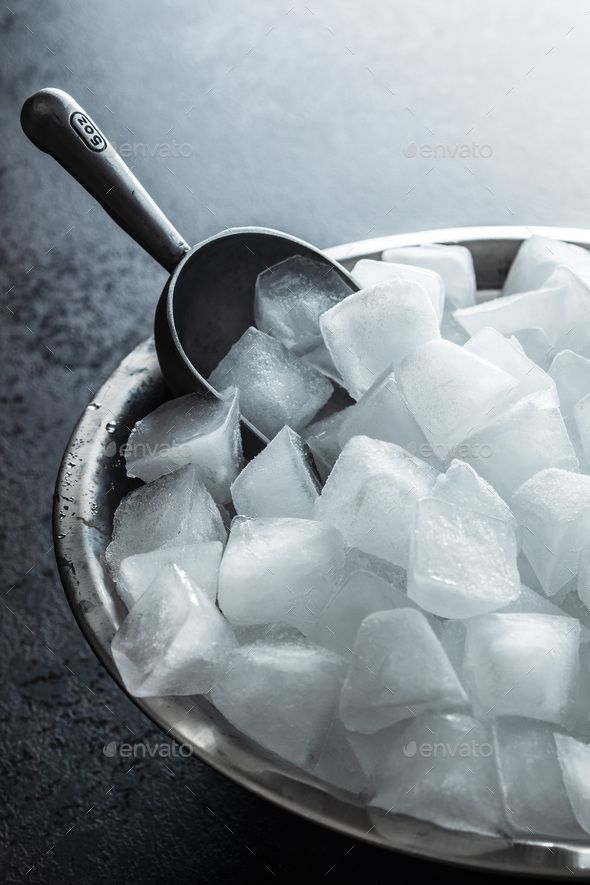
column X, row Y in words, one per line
column 111, row 427
column 94, row 406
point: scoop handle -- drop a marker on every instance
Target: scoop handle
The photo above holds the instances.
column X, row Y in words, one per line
column 57, row 124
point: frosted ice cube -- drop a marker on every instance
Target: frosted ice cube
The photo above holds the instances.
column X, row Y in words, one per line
column 574, row 760
column 536, row 260
column 584, row 576
column 536, row 345
column 190, row 430
column 368, row 273
column 528, row 437
column 290, row 297
column 398, row 670
column 276, row 387
column 382, row 413
column 462, row 563
column 510, row 313
column 582, row 425
column 174, row 639
column 534, row 795
column 362, row 593
column 199, row 561
column 372, row 330
column 451, row 392
column 553, row 508
column 491, row 345
column 523, row 665
column 370, row 496
column 279, row 571
column 463, row 486
column 571, row 373
column 281, row 695
column 171, row 511
column 453, row 263
column 280, row 481
column 561, row 309
column 322, row 439
column 440, row 769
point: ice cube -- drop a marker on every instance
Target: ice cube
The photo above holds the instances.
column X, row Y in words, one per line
column 279, row 571
column 528, row 437
column 281, row 695
column 337, row 762
column 561, row 309
column 276, row 387
column 502, row 352
column 321, row 360
column 571, row 373
column 570, row 604
column 174, row 639
column 553, row 508
column 533, row 791
column 370, row 497
column 398, row 670
column 536, row 260
column 382, row 413
column 372, row 330
column 462, row 563
column 357, row 560
column 362, row 593
column 290, row 297
column 280, row 481
column 582, row 425
column 190, row 430
column 441, row 769
column 574, row 760
column 372, row 749
column 450, row 329
column 171, row 511
column 273, row 633
column 368, row 273
column 536, row 345
column 523, row 665
column 451, row 392
column 322, row 439
column 199, row 561
column 451, row 635
column 453, row 263
column 530, row 602
column 463, row 486
column 584, row 576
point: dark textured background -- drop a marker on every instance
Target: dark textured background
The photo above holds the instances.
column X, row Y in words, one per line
column 320, row 119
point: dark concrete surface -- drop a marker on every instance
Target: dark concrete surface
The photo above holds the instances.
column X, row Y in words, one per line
column 333, row 121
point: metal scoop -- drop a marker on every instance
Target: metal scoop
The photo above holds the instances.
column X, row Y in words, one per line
column 209, row 297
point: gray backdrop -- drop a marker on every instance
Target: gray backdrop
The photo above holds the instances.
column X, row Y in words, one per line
column 331, row 121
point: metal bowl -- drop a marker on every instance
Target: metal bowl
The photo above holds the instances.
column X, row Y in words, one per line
column 91, row 483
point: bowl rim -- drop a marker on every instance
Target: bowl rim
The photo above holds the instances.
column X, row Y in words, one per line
column 79, row 535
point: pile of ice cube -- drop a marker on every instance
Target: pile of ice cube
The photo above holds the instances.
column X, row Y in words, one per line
column 399, row 604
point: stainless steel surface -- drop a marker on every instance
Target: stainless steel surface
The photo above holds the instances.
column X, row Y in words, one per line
column 91, row 483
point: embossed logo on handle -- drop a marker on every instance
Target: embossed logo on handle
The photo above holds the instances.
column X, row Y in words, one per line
column 88, row 132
